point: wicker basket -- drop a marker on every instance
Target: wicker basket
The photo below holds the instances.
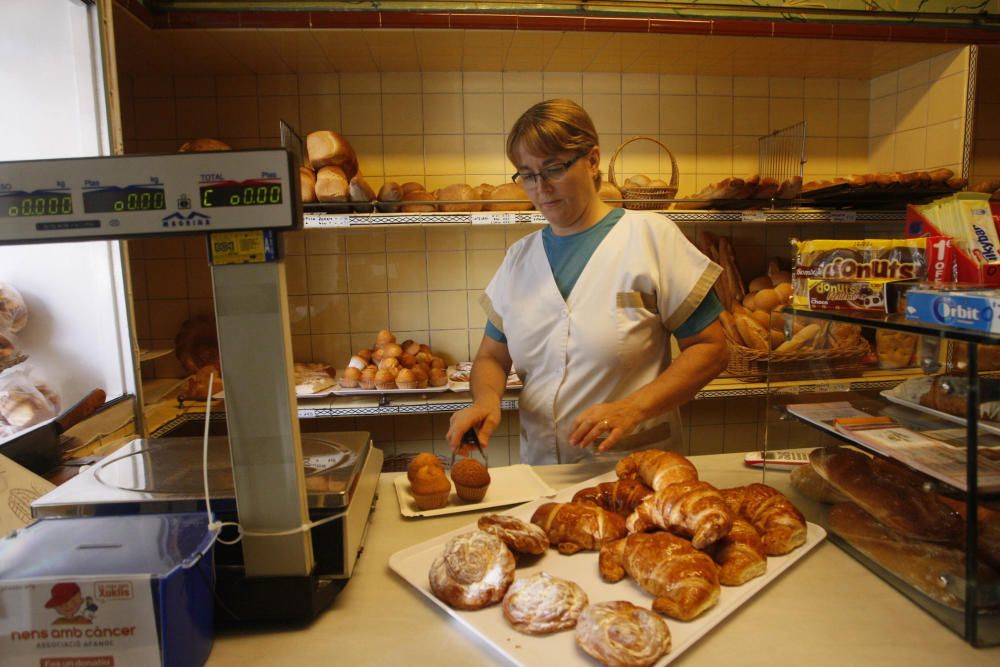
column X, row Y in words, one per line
column 752, row 365
column 645, row 199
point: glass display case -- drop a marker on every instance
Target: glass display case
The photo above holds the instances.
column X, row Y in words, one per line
column 905, row 479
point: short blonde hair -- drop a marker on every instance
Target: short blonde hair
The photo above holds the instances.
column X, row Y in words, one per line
column 553, row 126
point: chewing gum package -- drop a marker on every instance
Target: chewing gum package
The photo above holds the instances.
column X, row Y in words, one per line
column 879, row 260
column 871, row 296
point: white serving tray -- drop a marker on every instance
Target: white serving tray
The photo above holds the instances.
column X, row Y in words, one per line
column 337, row 390
column 459, row 373
column 509, row 485
column 984, row 425
column 413, row 564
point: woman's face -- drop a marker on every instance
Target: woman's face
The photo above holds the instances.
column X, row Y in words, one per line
column 566, row 200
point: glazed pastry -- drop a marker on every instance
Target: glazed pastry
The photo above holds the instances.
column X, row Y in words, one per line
column 620, row 634
column 572, row 526
column 740, row 554
column 541, row 604
column 692, row 509
column 683, row 580
column 780, row 524
column 474, row 571
column 621, row 497
column 656, row 468
column 519, row 536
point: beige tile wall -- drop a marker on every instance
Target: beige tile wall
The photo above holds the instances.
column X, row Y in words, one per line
column 442, row 127
column 447, row 127
column 917, row 115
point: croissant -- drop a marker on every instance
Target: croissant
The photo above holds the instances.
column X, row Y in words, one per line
column 691, row 509
column 780, row 524
column 740, row 554
column 656, row 468
column 573, row 526
column 621, row 497
column 683, row 580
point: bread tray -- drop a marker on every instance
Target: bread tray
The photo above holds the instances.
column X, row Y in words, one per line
column 458, row 377
column 509, row 485
column 413, row 563
column 984, row 425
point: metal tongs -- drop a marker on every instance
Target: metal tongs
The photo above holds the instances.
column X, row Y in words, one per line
column 471, row 438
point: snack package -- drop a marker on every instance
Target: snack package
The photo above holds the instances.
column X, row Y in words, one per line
column 860, row 259
column 13, row 311
column 21, row 404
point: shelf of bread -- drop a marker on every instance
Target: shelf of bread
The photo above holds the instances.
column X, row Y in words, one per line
column 728, row 386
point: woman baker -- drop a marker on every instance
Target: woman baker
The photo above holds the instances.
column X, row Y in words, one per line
column 585, row 307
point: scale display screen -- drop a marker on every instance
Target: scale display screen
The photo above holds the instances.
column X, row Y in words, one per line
column 246, row 193
column 36, row 203
column 131, row 198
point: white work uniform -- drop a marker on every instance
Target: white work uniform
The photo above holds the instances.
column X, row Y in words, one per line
column 610, row 337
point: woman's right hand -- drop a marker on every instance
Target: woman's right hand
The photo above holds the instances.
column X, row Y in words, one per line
column 484, row 419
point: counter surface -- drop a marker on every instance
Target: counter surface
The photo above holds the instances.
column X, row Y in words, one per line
column 826, row 610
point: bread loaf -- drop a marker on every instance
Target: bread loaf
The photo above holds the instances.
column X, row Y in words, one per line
column 753, row 334
column 388, row 194
column 412, row 202
column 460, row 193
column 936, row 570
column 911, row 511
column 808, row 482
column 609, row 192
column 203, row 145
column 361, row 193
column 790, row 188
column 509, row 191
column 328, row 148
column 411, row 186
column 307, row 185
column 332, row 185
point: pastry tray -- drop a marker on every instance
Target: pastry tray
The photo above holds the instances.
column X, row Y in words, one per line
column 509, row 485
column 459, row 373
column 984, row 425
column 870, row 196
column 337, row 390
column 413, row 564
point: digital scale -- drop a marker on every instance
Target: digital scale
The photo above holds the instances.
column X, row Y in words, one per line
column 264, row 473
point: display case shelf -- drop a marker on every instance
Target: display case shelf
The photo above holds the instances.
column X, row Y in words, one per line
column 935, row 449
column 315, row 219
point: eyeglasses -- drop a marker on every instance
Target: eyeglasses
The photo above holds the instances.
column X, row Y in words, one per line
column 550, row 174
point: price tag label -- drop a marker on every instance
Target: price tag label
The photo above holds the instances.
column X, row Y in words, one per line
column 326, row 220
column 492, row 218
column 538, row 218
column 843, row 216
column 252, row 247
column 753, row 216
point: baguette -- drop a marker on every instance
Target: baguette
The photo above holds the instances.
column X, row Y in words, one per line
column 729, row 325
column 790, row 188
column 808, row 482
column 939, row 176
column 988, row 187
column 753, row 334
column 730, row 270
column 801, row 339
column 767, row 188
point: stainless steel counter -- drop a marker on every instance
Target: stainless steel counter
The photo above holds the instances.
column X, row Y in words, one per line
column 826, row 610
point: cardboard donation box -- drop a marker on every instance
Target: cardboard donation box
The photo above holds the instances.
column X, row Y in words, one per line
column 107, row 591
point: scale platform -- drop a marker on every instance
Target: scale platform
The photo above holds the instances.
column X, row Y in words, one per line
column 164, row 476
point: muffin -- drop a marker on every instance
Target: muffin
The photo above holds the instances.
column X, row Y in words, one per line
column 419, row 461
column 421, row 377
column 385, row 380
column 430, row 488
column 471, row 479
column 350, row 377
column 367, row 379
column 406, row 379
column 438, row 377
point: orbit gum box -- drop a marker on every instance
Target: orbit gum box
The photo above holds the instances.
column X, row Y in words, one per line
column 966, row 308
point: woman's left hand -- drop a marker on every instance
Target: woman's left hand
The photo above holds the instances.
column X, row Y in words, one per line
column 611, row 421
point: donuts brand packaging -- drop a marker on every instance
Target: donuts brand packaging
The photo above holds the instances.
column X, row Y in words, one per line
column 864, row 260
